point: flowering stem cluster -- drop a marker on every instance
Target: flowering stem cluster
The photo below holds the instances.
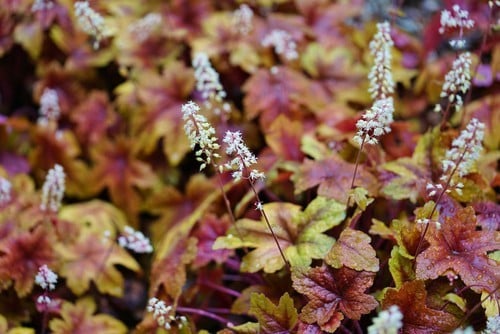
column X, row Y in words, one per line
column 90, row 21
column 377, row 120
column 200, row 133
column 457, row 81
column 456, row 19
column 380, row 76
column 50, row 111
column 208, row 84
column 282, row 42
column 459, row 160
column 242, row 19
column 240, row 165
column 135, row 241
column 53, row 189
column 165, row 315
column 374, row 123
column 47, row 280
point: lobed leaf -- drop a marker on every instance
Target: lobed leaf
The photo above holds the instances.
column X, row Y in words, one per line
column 281, row 318
column 333, row 294
column 418, row 318
column 79, row 318
column 353, row 250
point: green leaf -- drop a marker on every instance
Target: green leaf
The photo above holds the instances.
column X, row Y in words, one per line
column 274, row 319
column 401, row 267
column 353, row 250
column 405, row 185
column 360, row 196
column 300, row 235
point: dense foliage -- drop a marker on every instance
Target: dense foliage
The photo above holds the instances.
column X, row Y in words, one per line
column 263, row 166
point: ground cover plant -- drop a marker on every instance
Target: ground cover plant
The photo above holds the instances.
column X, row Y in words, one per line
column 265, row 166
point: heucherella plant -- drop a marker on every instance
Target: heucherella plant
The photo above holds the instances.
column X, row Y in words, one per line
column 265, row 166
column 53, row 189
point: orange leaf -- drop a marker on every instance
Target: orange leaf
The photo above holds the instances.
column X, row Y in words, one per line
column 94, row 258
column 79, row 318
column 417, row 317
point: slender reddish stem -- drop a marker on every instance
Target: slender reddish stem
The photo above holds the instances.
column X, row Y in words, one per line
column 202, row 313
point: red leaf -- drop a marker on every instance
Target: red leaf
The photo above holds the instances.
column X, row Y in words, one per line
column 333, row 293
column 458, row 248
column 209, row 228
column 93, row 117
column 270, row 94
column 118, row 170
column 161, row 118
column 284, row 137
column 169, row 269
column 22, row 255
column 280, row 318
column 334, row 176
column 417, row 317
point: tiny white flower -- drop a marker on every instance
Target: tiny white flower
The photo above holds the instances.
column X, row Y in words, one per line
column 380, row 76
column 242, row 157
column 39, row 5
column 492, row 324
column 89, row 21
column 208, row 82
column 46, row 278
column 375, row 122
column 456, row 19
column 200, row 133
column 50, row 110
column 242, row 19
column 43, row 300
column 144, row 27
column 465, row 149
column 387, row 322
column 5, row 189
column 457, row 80
column 282, row 42
column 135, row 241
